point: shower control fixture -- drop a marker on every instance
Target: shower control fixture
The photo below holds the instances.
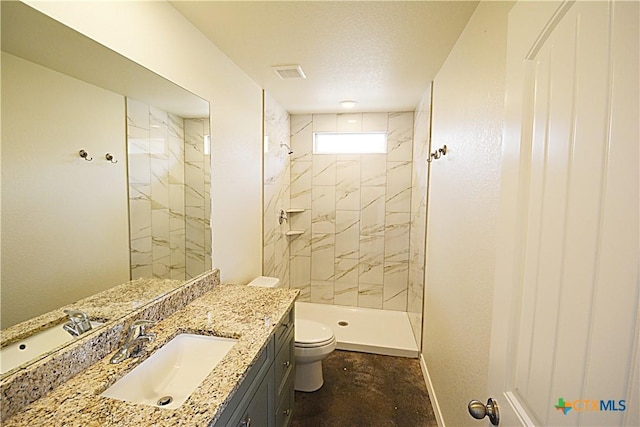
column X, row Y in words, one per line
column 283, row 217
column 85, row 155
column 284, row 144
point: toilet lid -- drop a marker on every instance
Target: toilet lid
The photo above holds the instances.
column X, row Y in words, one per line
column 311, row 332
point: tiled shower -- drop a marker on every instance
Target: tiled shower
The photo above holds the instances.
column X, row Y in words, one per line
column 169, row 198
column 359, row 219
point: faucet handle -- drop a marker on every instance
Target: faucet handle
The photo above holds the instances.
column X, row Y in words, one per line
column 137, row 327
column 76, row 315
column 78, row 323
column 142, row 323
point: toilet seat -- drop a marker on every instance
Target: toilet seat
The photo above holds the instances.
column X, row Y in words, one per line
column 309, row 333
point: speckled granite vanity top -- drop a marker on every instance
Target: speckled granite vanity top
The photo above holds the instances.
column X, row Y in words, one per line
column 233, row 311
column 110, row 304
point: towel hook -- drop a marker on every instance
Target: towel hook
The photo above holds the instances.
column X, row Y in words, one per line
column 109, row 157
column 438, row 153
column 85, row 155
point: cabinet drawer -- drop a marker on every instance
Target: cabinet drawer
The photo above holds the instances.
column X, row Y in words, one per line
column 284, row 410
column 283, row 329
column 285, row 361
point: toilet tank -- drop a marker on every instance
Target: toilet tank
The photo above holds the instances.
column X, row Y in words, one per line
column 265, row 282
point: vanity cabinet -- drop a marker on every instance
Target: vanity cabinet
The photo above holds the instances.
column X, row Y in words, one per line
column 284, row 370
column 265, row 397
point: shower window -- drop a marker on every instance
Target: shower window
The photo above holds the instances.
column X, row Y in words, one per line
column 349, row 142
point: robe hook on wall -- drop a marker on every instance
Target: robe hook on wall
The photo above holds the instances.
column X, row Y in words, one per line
column 438, row 153
column 85, row 155
column 109, row 157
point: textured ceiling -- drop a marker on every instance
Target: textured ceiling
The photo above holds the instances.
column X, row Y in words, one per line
column 382, row 54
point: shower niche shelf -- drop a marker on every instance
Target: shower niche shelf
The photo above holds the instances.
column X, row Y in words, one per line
column 294, row 233
column 295, row 210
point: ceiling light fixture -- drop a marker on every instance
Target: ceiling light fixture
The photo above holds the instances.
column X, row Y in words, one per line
column 348, row 104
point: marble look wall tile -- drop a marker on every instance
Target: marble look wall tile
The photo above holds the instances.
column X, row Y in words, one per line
column 300, row 245
column 396, row 237
column 176, row 162
column 324, row 169
column 139, row 158
column 375, row 122
column 396, row 275
column 348, row 183
column 300, row 271
column 398, row 196
column 301, row 137
column 301, row 185
column 346, row 282
column 139, row 211
column 195, row 263
column 194, row 177
column 300, row 276
column 346, row 294
column 159, row 183
column 193, row 197
column 373, row 170
column 268, row 258
column 372, row 212
column 322, row 257
column 347, row 271
column 160, row 227
column 349, row 122
column 158, row 197
column 176, row 202
column 194, row 140
column 371, row 260
column 367, row 221
column 347, row 234
column 137, row 114
column 369, row 295
column 323, row 209
column 300, row 220
column 322, row 292
column 162, row 267
column 400, row 137
column 325, row 122
column 141, row 257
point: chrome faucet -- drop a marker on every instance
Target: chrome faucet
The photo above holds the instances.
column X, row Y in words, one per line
column 78, row 323
column 136, row 337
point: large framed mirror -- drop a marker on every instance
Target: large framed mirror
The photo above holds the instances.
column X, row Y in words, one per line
column 105, row 171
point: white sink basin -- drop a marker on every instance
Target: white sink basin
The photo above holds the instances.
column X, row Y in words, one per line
column 34, row 346
column 169, row 376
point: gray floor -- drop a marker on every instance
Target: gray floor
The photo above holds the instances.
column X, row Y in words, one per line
column 366, row 390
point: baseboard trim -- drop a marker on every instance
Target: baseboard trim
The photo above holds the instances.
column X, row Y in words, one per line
column 432, row 393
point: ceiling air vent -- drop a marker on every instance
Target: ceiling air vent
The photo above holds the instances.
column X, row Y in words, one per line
column 289, row 72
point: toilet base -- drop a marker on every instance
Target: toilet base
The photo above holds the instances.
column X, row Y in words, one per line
column 308, row 376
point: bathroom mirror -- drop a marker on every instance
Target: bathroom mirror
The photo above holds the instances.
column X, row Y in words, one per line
column 75, row 226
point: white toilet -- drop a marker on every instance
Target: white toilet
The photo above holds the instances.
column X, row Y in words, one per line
column 314, row 342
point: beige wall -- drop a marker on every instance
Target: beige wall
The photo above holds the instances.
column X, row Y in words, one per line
column 65, row 212
column 156, row 36
column 463, row 202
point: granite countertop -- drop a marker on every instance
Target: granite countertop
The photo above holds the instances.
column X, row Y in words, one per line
column 110, row 304
column 233, row 311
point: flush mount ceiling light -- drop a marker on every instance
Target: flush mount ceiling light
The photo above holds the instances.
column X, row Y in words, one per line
column 286, row 72
column 348, row 104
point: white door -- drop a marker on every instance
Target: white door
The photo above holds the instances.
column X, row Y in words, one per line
column 564, row 347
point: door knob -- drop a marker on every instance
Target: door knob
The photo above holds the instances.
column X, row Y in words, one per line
column 479, row 410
